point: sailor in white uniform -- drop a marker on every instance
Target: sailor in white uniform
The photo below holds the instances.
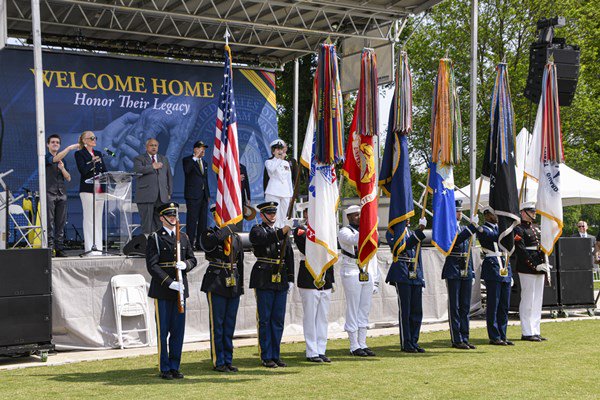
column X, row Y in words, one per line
column 279, row 187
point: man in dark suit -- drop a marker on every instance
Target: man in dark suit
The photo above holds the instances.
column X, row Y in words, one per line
column 153, row 187
column 196, row 193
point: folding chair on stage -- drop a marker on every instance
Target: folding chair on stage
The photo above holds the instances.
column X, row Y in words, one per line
column 17, row 213
column 130, row 300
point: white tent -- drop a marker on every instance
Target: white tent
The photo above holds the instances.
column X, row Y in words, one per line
column 576, row 188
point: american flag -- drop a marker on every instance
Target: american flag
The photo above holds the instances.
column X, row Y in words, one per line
column 226, row 162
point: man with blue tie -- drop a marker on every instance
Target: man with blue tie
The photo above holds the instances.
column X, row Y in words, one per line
column 406, row 274
column 497, row 275
column 196, row 193
column 459, row 281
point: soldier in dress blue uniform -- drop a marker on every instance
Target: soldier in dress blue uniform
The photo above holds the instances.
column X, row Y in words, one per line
column 532, row 268
column 459, row 281
column 316, row 298
column 409, row 282
column 497, row 275
column 162, row 265
column 223, row 284
column 272, row 278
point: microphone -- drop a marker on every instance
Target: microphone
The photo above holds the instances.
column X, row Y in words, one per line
column 110, row 152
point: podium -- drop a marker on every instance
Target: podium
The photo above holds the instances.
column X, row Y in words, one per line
column 117, row 207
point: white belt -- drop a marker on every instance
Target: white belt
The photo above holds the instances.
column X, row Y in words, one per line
column 490, row 253
column 532, row 248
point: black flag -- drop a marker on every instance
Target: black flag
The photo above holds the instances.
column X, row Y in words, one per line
column 499, row 162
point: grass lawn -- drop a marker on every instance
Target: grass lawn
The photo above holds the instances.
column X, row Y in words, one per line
column 566, row 366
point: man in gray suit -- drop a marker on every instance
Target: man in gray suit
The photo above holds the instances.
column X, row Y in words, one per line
column 153, row 187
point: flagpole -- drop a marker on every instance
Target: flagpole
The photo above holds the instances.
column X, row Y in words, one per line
column 423, row 208
column 473, row 213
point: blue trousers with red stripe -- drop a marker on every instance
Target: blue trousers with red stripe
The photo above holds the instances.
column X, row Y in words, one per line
column 223, row 313
column 170, row 326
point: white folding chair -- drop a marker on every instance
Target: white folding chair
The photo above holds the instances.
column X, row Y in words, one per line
column 17, row 213
column 130, row 300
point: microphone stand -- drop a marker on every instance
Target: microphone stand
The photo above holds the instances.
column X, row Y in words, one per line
column 94, row 248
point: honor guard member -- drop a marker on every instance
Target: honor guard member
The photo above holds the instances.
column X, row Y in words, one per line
column 223, row 284
column 272, row 278
column 532, row 268
column 359, row 285
column 316, row 298
column 459, row 281
column 406, row 274
column 162, row 264
column 280, row 183
column 497, row 275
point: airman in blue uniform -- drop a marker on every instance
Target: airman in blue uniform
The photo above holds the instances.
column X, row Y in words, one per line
column 497, row 275
column 409, row 282
column 459, row 281
column 223, row 284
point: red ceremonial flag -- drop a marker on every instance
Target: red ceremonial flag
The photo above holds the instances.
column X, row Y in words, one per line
column 359, row 167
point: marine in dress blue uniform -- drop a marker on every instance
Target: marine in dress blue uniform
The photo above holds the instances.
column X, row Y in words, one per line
column 459, row 281
column 271, row 278
column 497, row 275
column 162, row 265
column 409, row 283
column 223, row 284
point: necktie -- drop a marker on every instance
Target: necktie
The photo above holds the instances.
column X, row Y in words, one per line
column 201, row 166
column 153, row 159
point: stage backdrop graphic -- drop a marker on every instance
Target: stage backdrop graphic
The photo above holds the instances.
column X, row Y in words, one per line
column 125, row 102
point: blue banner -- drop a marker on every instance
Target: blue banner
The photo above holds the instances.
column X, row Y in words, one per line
column 125, row 101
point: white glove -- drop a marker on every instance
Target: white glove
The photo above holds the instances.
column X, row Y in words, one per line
column 288, row 222
column 475, row 220
column 423, row 221
column 540, row 267
column 290, row 286
column 181, row 265
column 375, row 287
column 176, row 286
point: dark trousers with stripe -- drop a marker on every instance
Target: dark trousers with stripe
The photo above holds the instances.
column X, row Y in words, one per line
column 223, row 312
column 410, row 308
column 170, row 326
column 270, row 306
column 498, row 302
column 459, row 305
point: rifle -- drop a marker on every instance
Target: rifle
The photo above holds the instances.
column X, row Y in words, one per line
column 181, row 293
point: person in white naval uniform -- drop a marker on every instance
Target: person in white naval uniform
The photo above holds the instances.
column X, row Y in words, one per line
column 358, row 286
column 280, row 187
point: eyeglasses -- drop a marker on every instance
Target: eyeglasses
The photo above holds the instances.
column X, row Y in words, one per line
column 581, row 226
column 92, row 138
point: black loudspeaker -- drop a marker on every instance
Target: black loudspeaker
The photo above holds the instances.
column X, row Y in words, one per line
column 566, row 59
column 25, row 320
column 575, row 254
column 136, row 246
column 576, row 288
column 25, row 272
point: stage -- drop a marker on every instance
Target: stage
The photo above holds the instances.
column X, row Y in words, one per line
column 83, row 312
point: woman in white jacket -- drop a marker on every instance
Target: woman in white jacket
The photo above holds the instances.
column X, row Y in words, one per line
column 280, row 187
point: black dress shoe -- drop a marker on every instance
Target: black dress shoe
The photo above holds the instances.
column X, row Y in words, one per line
column 461, row 346
column 410, row 350
column 231, row 368
column 531, row 338
column 176, row 374
column 315, row 359
column 60, row 253
column 369, row 352
column 324, row 358
column 541, row 338
column 508, row 342
column 471, row 346
column 166, row 375
column 269, row 364
column 420, row 349
column 280, row 363
column 221, row 368
column 498, row 342
column 359, row 353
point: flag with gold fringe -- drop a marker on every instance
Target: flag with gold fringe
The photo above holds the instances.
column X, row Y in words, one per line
column 545, row 155
column 359, row 166
column 446, row 151
column 323, row 147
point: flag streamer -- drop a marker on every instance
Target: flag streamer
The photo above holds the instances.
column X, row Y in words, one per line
column 552, row 147
column 402, row 110
column 359, row 166
column 499, row 161
column 328, row 108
